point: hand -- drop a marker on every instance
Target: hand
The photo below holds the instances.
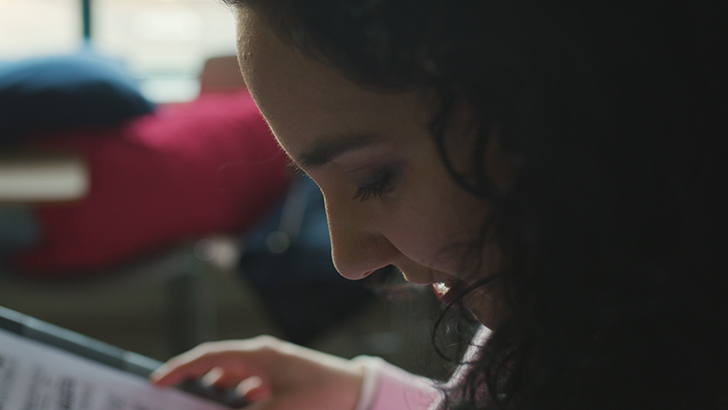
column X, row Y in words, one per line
column 269, row 373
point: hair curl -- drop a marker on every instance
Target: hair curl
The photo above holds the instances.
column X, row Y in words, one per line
column 613, row 231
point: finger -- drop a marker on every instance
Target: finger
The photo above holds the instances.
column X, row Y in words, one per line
column 253, row 389
column 222, row 379
column 195, row 366
column 239, row 358
column 214, row 377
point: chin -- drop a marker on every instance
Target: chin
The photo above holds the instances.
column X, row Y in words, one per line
column 481, row 305
column 483, row 318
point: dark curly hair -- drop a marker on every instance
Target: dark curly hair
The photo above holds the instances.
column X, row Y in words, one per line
column 613, row 232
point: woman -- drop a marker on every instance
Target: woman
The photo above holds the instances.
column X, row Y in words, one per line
column 554, row 167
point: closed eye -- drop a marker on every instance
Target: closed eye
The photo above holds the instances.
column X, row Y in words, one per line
column 382, row 185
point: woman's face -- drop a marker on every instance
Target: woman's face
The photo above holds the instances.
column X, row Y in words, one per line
column 389, row 199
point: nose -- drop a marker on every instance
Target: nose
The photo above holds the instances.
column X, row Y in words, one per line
column 356, row 248
column 356, row 256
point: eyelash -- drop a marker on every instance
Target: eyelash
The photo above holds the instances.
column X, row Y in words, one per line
column 380, row 187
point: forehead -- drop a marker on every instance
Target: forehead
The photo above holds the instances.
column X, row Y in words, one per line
column 262, row 55
column 304, row 99
column 274, row 70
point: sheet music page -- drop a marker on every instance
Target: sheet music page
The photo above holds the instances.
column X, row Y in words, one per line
column 35, row 376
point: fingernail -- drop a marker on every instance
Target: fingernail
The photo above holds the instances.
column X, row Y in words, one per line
column 157, row 374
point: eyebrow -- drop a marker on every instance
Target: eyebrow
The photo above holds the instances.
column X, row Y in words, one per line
column 326, row 149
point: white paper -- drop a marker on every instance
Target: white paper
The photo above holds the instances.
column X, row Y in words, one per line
column 35, row 376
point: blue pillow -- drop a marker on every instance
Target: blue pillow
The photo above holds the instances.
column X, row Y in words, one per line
column 55, row 93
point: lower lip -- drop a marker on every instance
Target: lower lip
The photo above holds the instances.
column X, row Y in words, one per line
column 449, row 292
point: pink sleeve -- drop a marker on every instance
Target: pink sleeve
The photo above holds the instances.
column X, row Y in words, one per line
column 387, row 387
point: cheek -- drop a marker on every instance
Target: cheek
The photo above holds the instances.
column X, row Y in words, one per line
column 436, row 238
column 435, row 222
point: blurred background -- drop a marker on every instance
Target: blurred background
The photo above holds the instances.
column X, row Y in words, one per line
column 164, row 43
column 143, row 202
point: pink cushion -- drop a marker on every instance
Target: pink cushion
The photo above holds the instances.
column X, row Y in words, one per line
column 209, row 166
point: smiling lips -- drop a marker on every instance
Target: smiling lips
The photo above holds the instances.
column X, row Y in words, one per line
column 450, row 291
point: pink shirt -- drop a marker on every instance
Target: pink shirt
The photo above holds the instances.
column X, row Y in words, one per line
column 387, row 387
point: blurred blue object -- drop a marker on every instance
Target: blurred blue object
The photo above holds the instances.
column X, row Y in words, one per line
column 47, row 94
column 287, row 259
column 18, row 229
